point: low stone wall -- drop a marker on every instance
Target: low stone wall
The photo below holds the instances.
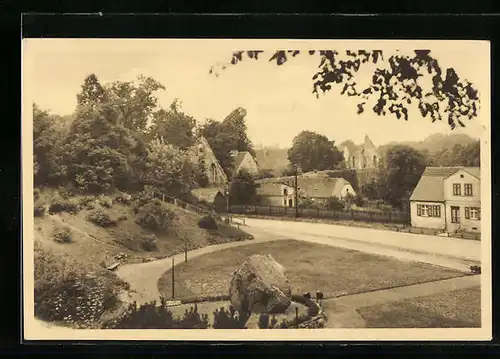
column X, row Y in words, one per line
column 318, row 321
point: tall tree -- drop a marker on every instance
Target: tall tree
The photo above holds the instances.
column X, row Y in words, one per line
column 402, row 170
column 99, row 150
column 313, row 151
column 169, row 169
column 47, row 137
column 397, row 82
column 135, row 101
column 173, row 126
column 243, row 188
column 92, row 93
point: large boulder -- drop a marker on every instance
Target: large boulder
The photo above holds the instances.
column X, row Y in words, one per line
column 260, row 285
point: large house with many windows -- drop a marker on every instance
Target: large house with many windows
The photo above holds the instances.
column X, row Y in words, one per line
column 448, row 198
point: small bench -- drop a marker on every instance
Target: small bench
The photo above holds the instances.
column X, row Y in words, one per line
column 113, row 266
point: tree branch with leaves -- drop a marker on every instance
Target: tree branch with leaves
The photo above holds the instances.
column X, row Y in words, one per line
column 397, row 82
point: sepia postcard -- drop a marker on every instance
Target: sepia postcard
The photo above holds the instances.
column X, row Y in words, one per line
column 305, row 190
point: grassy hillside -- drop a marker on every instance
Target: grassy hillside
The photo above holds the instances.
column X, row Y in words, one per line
column 77, row 237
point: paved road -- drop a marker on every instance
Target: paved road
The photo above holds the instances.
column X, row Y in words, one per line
column 468, row 250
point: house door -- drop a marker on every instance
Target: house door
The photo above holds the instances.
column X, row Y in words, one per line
column 290, row 203
column 454, row 217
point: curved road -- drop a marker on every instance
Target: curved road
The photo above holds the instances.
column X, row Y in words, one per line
column 452, row 253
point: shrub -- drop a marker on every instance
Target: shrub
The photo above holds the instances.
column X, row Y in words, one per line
column 334, row 204
column 87, row 202
column 63, row 205
column 358, row 201
column 208, row 222
column 123, row 198
column 264, row 321
column 122, row 217
column 151, row 316
column 154, row 216
column 62, row 235
column 101, row 218
column 147, row 241
column 105, row 201
column 80, row 300
column 227, row 319
column 39, row 210
column 36, row 194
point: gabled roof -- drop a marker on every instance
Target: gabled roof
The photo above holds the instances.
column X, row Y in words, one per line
column 238, row 159
column 430, row 187
column 206, row 194
column 312, row 186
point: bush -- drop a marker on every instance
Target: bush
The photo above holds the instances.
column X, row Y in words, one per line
column 227, row 319
column 105, row 201
column 334, row 204
column 36, row 194
column 123, row 198
column 63, row 205
column 151, row 316
column 87, row 202
column 147, row 241
column 154, row 216
column 79, row 300
column 122, row 217
column 358, row 201
column 101, row 218
column 208, row 222
column 62, row 235
column 39, row 210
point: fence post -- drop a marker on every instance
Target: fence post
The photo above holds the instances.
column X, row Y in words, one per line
column 173, row 279
column 390, row 216
column 255, row 209
column 317, row 212
column 270, row 210
column 352, row 214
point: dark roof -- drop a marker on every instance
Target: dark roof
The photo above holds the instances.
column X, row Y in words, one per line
column 206, row 194
column 430, row 187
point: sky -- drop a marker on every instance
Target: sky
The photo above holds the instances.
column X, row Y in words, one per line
column 278, row 100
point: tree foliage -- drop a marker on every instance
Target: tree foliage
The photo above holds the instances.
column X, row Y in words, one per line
column 227, row 135
column 460, row 155
column 173, row 126
column 48, row 169
column 169, row 169
column 243, row 188
column 397, row 82
column 402, row 169
column 313, row 151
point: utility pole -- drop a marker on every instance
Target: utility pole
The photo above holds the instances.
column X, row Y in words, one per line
column 227, row 197
column 185, row 251
column 296, row 190
column 173, row 279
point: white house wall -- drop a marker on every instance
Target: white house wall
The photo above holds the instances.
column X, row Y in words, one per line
column 427, row 222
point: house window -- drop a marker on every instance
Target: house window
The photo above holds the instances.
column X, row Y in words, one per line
column 457, row 190
column 428, row 210
column 455, row 214
column 473, row 213
column 353, row 162
column 468, row 189
column 285, row 192
column 213, row 172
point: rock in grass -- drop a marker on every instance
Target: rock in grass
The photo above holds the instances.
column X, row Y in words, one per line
column 260, row 285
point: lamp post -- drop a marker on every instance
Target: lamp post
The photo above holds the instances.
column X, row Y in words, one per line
column 295, row 170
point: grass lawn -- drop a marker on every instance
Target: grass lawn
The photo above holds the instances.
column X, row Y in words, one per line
column 311, row 267
column 456, row 309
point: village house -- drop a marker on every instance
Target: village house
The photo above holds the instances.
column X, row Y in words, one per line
column 447, row 198
column 275, row 192
column 281, row 191
column 203, row 156
column 243, row 160
column 361, row 156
